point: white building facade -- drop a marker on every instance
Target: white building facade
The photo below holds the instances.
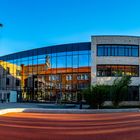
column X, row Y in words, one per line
column 116, row 54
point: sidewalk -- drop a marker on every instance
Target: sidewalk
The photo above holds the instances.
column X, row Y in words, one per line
column 51, row 108
column 17, row 105
column 40, row 105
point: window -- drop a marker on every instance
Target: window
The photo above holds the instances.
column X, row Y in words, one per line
column 7, row 81
column 8, row 70
column 133, row 93
column 82, row 85
column 17, row 82
column 61, row 62
column 85, row 62
column 100, row 51
column 135, row 51
column 118, row 50
column 18, row 73
column 75, row 61
column 54, row 77
column 68, row 87
column 68, row 77
column 117, row 70
column 82, row 77
column 121, row 51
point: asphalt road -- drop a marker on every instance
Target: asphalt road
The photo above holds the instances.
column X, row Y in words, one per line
column 39, row 126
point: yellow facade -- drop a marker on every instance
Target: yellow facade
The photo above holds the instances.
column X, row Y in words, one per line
column 12, row 68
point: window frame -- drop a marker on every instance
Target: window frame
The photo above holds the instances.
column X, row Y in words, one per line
column 127, row 50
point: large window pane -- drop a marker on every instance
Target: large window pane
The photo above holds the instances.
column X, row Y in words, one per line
column 69, row 61
column 61, row 62
column 100, row 51
column 121, row 51
column 117, row 70
column 135, row 51
column 75, row 61
column 53, row 62
column 117, row 50
column 85, row 62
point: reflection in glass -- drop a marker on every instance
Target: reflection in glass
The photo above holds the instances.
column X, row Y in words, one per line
column 69, row 72
column 117, row 70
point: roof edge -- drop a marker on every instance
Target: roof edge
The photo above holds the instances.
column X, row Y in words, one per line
column 115, row 36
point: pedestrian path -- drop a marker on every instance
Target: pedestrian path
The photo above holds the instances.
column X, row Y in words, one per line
column 49, row 108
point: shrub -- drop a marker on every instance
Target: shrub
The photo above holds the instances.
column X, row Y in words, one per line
column 119, row 89
column 96, row 95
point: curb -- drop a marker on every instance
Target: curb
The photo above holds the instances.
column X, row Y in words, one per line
column 68, row 111
column 11, row 110
column 80, row 111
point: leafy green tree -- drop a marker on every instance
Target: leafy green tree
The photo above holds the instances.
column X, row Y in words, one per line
column 119, row 89
column 96, row 95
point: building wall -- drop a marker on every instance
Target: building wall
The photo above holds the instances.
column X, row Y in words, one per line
column 12, row 75
column 38, row 65
column 114, row 60
column 9, row 71
column 73, row 59
column 123, row 40
column 46, row 84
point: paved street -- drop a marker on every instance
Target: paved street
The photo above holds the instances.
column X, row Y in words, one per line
column 42, row 126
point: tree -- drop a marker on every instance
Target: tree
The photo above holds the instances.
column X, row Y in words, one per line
column 96, row 95
column 119, row 89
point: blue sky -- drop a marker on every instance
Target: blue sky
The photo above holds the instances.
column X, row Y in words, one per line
column 35, row 23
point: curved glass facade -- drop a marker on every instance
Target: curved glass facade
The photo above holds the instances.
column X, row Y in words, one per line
column 47, row 73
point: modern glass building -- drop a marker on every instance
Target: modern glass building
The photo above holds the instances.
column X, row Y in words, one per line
column 62, row 71
column 47, row 73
